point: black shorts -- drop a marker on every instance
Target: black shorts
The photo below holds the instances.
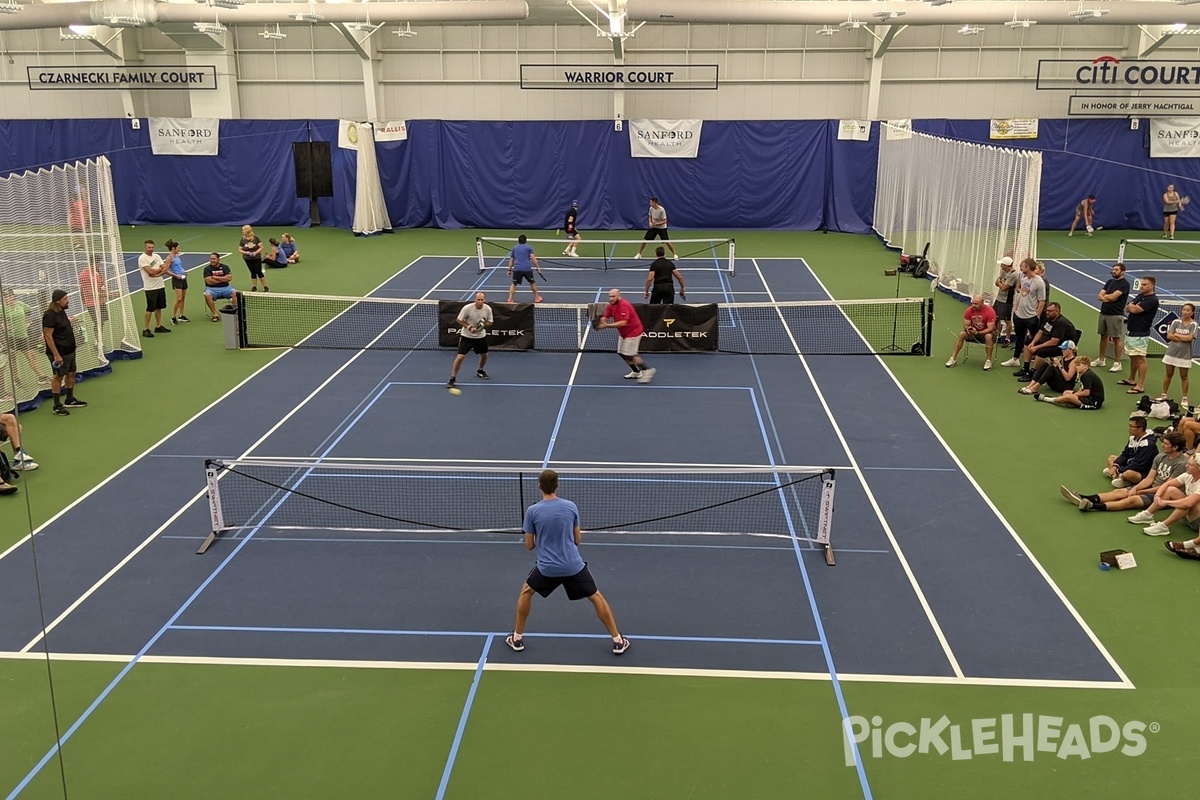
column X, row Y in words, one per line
column 656, row 233
column 1003, row 311
column 662, row 294
column 518, row 276
column 578, row 586
column 1169, row 214
column 179, row 283
column 466, row 345
column 156, row 299
column 255, row 266
column 1090, row 404
column 66, row 368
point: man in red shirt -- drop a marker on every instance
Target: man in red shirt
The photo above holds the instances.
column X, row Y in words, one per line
column 979, row 324
column 620, row 314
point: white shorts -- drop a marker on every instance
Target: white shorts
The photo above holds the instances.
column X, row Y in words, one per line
column 1136, row 345
column 628, row 346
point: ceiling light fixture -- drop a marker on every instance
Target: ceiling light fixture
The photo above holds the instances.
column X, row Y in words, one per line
column 276, row 34
column 209, row 27
column 827, row 30
column 970, row 30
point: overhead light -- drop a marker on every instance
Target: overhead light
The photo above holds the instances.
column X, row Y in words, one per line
column 118, row 21
column 267, row 33
column 852, row 24
column 1086, row 14
column 1178, row 27
column 406, row 32
column 362, row 27
column 1024, row 23
column 936, row 3
column 970, row 30
column 1188, row 2
column 9, row 8
column 210, row 27
column 76, row 33
column 884, row 16
column 827, row 30
column 224, row 3
column 311, row 18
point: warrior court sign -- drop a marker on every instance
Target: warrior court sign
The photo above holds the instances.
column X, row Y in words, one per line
column 593, row 76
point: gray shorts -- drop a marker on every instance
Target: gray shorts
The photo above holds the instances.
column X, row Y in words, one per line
column 1111, row 325
column 1194, row 524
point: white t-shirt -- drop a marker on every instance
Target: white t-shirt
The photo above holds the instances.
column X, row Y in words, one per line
column 1189, row 484
column 473, row 316
column 152, row 262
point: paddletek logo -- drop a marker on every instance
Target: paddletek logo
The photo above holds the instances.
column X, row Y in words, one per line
column 1010, row 736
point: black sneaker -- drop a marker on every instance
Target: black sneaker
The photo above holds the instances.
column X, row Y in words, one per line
column 74, row 402
column 174, row 320
column 146, row 334
column 162, row 329
column 621, row 646
column 184, row 319
column 62, row 412
column 517, row 643
column 483, row 376
column 450, row 383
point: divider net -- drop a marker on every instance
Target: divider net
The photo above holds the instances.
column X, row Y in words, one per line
column 331, row 496
column 609, row 254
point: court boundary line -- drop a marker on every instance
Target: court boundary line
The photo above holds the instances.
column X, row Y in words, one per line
column 598, row 669
column 1037, row 565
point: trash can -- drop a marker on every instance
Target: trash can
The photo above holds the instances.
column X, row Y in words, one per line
column 229, row 327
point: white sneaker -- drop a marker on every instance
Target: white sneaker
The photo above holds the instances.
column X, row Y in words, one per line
column 24, row 463
column 987, row 365
column 631, row 375
column 1121, row 483
column 1071, row 233
column 566, row 252
column 647, row 375
column 1116, row 367
column 573, row 254
column 1012, row 362
column 1143, row 517
column 1157, row 529
column 675, row 256
column 952, row 362
column 1100, row 362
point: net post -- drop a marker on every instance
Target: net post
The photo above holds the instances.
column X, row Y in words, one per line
column 211, row 470
column 825, row 521
column 732, row 261
column 1121, row 252
column 479, row 253
column 928, row 332
column 243, row 338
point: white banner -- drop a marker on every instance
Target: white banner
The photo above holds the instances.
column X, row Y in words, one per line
column 391, row 131
column 1175, row 137
column 857, row 130
column 348, row 134
column 664, row 138
column 899, row 129
column 1014, row 129
column 183, row 136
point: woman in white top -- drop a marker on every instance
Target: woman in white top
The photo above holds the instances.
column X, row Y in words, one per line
column 1180, row 335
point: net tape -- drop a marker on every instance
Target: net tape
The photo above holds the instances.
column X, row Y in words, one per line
column 610, row 254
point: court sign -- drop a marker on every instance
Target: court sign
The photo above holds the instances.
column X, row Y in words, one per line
column 1140, row 106
column 1109, row 73
column 1164, row 325
column 107, row 78
column 607, row 76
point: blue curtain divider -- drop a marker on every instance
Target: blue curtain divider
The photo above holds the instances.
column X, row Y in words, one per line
column 786, row 175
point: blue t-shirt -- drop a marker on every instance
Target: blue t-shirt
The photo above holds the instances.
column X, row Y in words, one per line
column 553, row 522
column 520, row 256
column 286, row 250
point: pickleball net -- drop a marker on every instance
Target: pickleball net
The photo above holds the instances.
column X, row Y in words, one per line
column 349, row 497
column 593, row 252
column 891, row 326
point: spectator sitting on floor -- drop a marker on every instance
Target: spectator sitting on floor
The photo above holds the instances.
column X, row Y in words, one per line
column 1090, row 394
column 1054, row 330
column 1057, row 373
column 1181, row 495
column 1133, row 463
column 979, row 326
column 288, row 248
column 1168, row 464
column 275, row 257
column 10, row 430
column 1190, row 428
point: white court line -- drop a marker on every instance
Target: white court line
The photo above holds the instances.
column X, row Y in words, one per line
column 887, row 529
column 96, row 586
column 579, row 669
column 1112, row 662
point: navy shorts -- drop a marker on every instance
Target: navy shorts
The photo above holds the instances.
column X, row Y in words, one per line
column 518, row 276
column 466, row 345
column 578, row 586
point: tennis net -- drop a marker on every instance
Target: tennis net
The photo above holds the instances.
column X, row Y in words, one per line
column 1164, row 254
column 609, row 254
column 365, row 497
column 901, row 326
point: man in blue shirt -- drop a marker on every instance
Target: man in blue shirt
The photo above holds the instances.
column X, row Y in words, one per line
column 521, row 264
column 552, row 528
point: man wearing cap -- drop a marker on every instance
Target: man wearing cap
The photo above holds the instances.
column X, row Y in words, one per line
column 1003, row 305
column 1057, row 373
column 979, row 326
column 573, row 237
column 1027, row 309
column 60, row 347
column 1113, row 298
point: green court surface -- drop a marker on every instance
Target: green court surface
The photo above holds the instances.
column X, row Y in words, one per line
column 283, row 730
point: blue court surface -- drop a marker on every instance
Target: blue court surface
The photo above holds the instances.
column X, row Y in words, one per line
column 931, row 584
column 1175, row 266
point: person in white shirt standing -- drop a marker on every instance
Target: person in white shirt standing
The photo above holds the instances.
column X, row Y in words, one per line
column 151, row 265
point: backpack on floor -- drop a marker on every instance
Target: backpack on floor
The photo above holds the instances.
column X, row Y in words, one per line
column 7, row 473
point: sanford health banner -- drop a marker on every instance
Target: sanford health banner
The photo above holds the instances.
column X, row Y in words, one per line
column 183, row 136
column 678, row 328
column 664, row 138
column 1175, row 137
column 512, row 328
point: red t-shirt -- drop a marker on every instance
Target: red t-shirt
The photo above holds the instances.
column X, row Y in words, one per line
column 979, row 319
column 91, row 286
column 624, row 310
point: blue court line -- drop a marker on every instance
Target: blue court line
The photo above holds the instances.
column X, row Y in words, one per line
column 562, row 407
column 462, row 720
column 910, row 469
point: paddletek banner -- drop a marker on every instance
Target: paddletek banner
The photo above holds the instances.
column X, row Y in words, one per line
column 513, row 328
column 678, row 328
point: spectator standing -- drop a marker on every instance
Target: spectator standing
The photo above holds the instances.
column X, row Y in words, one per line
column 1181, row 333
column 1003, row 304
column 1141, row 313
column 1027, row 309
column 59, row 334
column 151, row 265
column 251, row 248
column 1113, row 297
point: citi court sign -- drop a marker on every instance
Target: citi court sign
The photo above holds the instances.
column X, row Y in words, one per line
column 1008, row 737
column 1111, row 73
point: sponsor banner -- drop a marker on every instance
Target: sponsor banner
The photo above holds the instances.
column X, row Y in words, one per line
column 856, row 130
column 678, row 328
column 348, row 134
column 1112, row 73
column 103, row 78
column 664, row 138
column 1163, row 325
column 183, row 136
column 1175, row 138
column 513, row 328
column 899, row 129
column 607, row 76
column 1014, row 129
column 1141, row 106
column 391, row 131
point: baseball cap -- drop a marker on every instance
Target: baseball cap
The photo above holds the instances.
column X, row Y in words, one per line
column 1067, row 345
column 58, row 294
column 574, row 202
column 1006, row 261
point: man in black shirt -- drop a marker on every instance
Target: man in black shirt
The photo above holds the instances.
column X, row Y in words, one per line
column 1054, row 330
column 1113, row 298
column 659, row 287
column 1142, row 311
column 573, row 237
column 60, row 347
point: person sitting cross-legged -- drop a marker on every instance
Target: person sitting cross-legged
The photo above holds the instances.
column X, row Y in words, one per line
column 1133, row 463
column 1181, row 495
column 1058, row 374
column 1090, row 394
column 979, row 326
column 1168, row 464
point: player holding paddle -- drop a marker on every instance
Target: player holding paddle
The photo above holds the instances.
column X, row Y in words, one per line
column 1172, row 205
column 521, row 264
column 473, row 322
column 1086, row 211
column 573, row 237
column 620, row 314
